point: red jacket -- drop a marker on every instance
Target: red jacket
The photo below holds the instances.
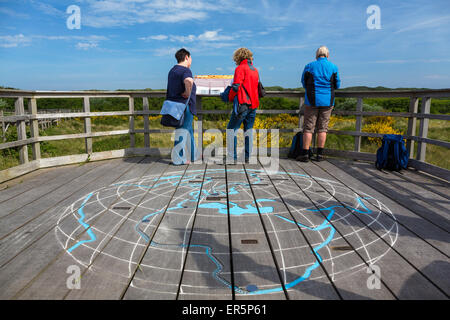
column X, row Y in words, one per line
column 246, row 76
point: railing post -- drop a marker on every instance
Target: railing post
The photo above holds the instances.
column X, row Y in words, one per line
column 87, row 125
column 200, row 128
column 34, row 129
column 301, row 117
column 21, row 130
column 146, row 123
column 412, row 123
column 132, row 134
column 3, row 126
column 358, row 127
column 423, row 130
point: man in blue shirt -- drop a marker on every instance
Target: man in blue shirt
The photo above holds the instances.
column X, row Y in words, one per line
column 180, row 87
column 320, row 78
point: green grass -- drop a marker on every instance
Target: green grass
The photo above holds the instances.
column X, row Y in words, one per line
column 438, row 129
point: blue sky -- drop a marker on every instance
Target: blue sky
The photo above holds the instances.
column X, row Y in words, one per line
column 130, row 44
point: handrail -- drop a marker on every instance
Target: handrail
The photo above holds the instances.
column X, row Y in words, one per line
column 21, row 118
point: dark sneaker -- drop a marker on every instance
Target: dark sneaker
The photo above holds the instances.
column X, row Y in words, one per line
column 319, row 158
column 303, row 158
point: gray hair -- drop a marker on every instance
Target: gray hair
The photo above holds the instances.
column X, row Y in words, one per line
column 322, row 51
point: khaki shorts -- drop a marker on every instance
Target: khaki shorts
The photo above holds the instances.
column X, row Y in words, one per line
column 316, row 118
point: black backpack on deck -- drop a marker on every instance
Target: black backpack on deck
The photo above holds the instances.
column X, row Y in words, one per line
column 297, row 146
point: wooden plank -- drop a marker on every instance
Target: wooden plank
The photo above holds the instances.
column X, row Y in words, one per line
column 431, row 183
column 366, row 216
column 20, row 170
column 3, row 126
column 21, row 131
column 301, row 117
column 347, row 268
column 83, row 135
column 423, row 130
column 50, row 249
column 115, row 263
column 207, row 273
column 87, row 125
column 422, row 202
column 340, row 93
column 302, row 277
column 428, row 231
column 254, row 266
column 358, row 125
column 146, row 123
column 11, row 206
column 199, row 148
column 430, row 169
column 412, row 121
column 19, row 218
column 16, row 242
column 414, row 239
column 161, row 268
column 34, row 130
column 131, row 122
column 29, row 181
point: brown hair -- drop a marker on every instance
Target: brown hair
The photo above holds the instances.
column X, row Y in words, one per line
column 241, row 54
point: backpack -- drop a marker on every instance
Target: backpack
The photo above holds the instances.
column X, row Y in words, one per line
column 225, row 95
column 297, row 146
column 392, row 155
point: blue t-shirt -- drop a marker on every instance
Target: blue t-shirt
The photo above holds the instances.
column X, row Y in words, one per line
column 176, row 86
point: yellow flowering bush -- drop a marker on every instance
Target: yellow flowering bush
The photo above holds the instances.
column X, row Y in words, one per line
column 381, row 127
column 379, row 119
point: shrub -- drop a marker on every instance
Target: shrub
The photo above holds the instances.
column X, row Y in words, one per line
column 381, row 127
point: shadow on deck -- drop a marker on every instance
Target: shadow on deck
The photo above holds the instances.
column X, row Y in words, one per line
column 140, row 228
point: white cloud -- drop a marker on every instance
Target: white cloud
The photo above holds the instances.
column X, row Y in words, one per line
column 13, row 13
column 213, row 36
column 14, row 41
column 207, row 36
column 20, row 40
column 431, row 23
column 47, row 8
column 86, row 45
column 117, row 13
column 189, row 38
column 158, row 37
column 282, row 47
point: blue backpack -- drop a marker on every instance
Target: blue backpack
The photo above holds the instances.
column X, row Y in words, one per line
column 225, row 98
column 392, row 155
column 225, row 95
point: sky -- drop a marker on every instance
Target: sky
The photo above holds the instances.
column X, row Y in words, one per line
column 130, row 44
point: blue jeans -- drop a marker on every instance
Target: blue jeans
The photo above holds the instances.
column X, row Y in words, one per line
column 248, row 118
column 181, row 137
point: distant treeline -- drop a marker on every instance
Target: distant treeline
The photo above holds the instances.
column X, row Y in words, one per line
column 214, row 103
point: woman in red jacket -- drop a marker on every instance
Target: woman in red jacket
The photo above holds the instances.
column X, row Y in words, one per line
column 245, row 88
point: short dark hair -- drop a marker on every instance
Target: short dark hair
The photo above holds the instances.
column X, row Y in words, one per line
column 181, row 55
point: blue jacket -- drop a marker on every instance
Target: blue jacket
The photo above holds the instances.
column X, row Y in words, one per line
column 320, row 78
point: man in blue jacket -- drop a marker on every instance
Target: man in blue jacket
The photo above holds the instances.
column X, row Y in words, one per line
column 320, row 78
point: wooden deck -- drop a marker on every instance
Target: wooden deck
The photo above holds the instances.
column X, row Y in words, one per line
column 140, row 228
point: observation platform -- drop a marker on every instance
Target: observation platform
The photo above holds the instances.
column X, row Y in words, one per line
column 141, row 228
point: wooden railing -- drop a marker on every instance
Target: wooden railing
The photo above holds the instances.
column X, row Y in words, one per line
column 32, row 117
